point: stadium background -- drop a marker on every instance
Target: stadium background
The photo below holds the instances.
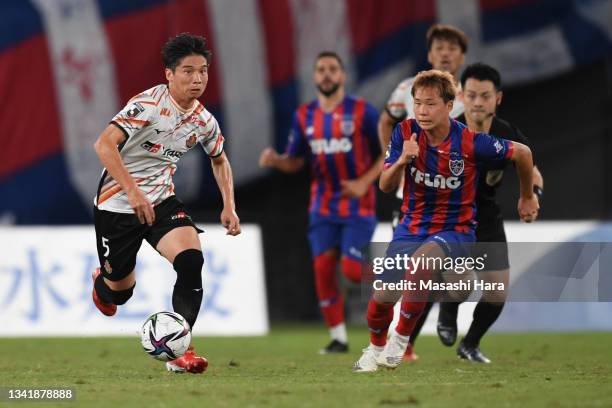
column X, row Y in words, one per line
column 67, row 66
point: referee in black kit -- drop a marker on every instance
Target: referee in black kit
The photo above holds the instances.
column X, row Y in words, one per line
column 482, row 95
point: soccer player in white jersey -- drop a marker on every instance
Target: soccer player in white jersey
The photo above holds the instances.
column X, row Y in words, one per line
column 135, row 201
column 446, row 48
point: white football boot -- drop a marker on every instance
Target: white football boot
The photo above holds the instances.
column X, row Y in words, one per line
column 392, row 355
column 367, row 361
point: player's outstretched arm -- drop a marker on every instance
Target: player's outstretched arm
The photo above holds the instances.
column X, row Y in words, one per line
column 391, row 177
column 223, row 175
column 528, row 202
column 108, row 153
column 283, row 162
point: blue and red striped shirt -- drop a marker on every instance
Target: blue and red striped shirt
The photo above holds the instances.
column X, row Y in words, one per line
column 440, row 184
column 340, row 145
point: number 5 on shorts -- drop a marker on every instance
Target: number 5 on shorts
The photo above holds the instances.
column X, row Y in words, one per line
column 105, row 245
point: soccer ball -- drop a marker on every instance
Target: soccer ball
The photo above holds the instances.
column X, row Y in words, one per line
column 165, row 336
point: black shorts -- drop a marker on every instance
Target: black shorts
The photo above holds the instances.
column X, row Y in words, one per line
column 119, row 235
column 491, row 240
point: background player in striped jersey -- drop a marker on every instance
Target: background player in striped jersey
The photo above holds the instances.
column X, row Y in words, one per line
column 482, row 95
column 446, row 49
column 438, row 158
column 135, row 199
column 336, row 133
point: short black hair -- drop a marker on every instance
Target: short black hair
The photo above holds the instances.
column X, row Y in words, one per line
column 448, row 33
column 481, row 72
column 181, row 46
column 332, row 54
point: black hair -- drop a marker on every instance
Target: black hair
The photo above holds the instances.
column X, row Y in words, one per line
column 481, row 72
column 331, row 54
column 448, row 33
column 181, row 46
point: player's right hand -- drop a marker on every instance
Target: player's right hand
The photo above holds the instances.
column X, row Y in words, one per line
column 268, row 157
column 141, row 205
column 528, row 208
column 410, row 150
column 231, row 222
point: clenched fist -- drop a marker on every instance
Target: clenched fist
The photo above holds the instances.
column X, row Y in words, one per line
column 410, row 150
column 268, row 157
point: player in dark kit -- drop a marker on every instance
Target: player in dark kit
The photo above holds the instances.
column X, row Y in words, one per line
column 482, row 95
column 135, row 200
column 438, row 158
column 337, row 134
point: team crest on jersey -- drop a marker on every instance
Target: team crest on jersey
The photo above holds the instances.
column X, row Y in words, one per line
column 456, row 164
column 191, row 141
column 107, row 267
column 347, row 127
column 135, row 110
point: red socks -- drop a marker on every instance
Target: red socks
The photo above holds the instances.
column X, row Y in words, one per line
column 351, row 268
column 330, row 299
column 413, row 303
column 409, row 316
column 380, row 316
column 326, row 282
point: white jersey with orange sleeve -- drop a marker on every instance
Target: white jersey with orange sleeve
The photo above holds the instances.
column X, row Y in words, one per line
column 400, row 105
column 158, row 132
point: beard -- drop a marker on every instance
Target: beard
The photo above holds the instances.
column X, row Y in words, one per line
column 330, row 90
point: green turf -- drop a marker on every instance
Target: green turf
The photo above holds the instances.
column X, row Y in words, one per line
column 283, row 369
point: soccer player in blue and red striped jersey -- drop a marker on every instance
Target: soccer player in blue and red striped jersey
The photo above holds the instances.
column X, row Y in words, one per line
column 337, row 134
column 439, row 159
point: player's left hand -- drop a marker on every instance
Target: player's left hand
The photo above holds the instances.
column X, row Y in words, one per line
column 353, row 188
column 230, row 221
column 528, row 208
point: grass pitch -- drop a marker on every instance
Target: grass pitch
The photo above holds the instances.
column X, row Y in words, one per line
column 283, row 369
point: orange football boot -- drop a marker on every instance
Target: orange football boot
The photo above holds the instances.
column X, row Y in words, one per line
column 409, row 354
column 188, row 362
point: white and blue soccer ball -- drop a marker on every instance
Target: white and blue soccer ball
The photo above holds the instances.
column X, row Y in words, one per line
column 165, row 336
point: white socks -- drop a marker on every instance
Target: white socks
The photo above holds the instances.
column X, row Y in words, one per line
column 403, row 339
column 338, row 332
column 378, row 349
